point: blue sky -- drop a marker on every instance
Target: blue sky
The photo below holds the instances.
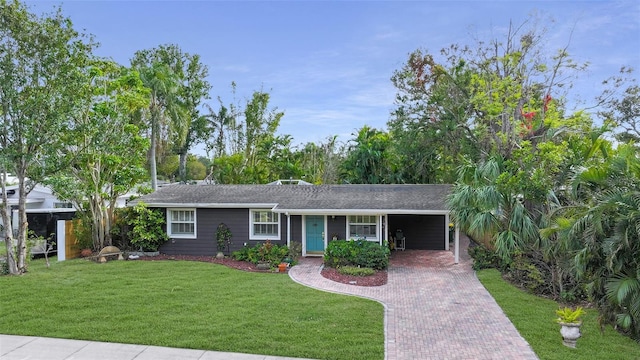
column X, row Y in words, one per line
column 327, row 64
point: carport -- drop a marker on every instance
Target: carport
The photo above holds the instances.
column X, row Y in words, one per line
column 422, row 232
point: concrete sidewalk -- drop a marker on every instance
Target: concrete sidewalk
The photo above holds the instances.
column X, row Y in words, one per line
column 31, row 347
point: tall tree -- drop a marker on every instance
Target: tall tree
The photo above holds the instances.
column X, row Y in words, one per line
column 105, row 152
column 191, row 127
column 42, row 67
column 433, row 120
column 178, row 85
column 625, row 112
column 370, row 159
column 163, row 103
column 255, row 154
column 260, row 125
column 320, row 163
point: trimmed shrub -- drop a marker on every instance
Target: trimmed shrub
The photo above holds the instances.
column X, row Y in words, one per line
column 360, row 253
column 356, row 271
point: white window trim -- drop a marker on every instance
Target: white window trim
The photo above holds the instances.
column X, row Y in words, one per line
column 182, row 236
column 368, row 238
column 252, row 236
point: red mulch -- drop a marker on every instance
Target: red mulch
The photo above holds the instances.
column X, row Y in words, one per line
column 229, row 262
column 377, row 279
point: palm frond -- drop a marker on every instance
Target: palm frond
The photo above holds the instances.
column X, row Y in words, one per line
column 621, row 288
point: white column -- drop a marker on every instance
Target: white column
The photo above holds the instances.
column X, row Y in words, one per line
column 60, row 230
column 379, row 230
column 456, row 245
column 446, row 231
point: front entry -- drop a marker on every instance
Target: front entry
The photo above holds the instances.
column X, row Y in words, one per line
column 314, row 233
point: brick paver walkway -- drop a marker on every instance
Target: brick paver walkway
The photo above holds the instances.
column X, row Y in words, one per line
column 432, row 312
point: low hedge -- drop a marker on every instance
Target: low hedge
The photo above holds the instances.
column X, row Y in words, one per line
column 360, row 253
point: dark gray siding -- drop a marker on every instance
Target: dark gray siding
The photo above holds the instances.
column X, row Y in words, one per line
column 337, row 226
column 296, row 228
column 207, row 221
column 424, row 232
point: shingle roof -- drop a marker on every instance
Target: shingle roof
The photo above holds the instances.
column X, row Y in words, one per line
column 333, row 198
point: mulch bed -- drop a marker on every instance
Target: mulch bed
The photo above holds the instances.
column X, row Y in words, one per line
column 377, row 279
column 229, row 262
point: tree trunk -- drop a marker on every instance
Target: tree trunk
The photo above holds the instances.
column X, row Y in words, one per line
column 21, row 241
column 8, row 230
column 182, row 169
column 152, row 156
column 109, row 218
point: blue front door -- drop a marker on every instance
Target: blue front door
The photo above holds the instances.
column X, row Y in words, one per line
column 315, row 233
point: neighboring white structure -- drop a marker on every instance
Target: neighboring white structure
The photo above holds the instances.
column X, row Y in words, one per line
column 40, row 198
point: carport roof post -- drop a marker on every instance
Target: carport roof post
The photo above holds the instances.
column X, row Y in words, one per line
column 456, row 246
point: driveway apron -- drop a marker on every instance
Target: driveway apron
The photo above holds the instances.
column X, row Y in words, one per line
column 434, row 311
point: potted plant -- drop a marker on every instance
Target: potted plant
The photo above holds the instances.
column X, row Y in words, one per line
column 223, row 239
column 570, row 323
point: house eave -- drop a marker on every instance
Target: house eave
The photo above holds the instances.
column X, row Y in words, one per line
column 208, row 205
column 360, row 211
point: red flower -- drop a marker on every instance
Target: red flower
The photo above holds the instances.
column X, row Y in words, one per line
column 547, row 100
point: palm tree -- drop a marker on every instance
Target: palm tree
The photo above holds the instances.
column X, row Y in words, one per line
column 491, row 211
column 600, row 228
column 163, row 85
column 190, row 127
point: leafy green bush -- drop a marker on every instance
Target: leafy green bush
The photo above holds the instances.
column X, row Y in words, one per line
column 267, row 252
column 141, row 227
column 356, row 271
column 295, row 251
column 483, row 258
column 356, row 253
column 529, row 271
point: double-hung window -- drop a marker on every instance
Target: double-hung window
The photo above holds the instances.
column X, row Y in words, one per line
column 181, row 223
column 363, row 226
column 264, row 225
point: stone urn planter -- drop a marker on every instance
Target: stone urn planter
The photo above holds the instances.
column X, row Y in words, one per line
column 570, row 333
column 570, row 323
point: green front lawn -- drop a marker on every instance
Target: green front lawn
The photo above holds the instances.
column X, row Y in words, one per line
column 189, row 305
column 534, row 317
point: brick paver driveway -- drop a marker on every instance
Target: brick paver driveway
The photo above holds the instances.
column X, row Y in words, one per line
column 433, row 309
